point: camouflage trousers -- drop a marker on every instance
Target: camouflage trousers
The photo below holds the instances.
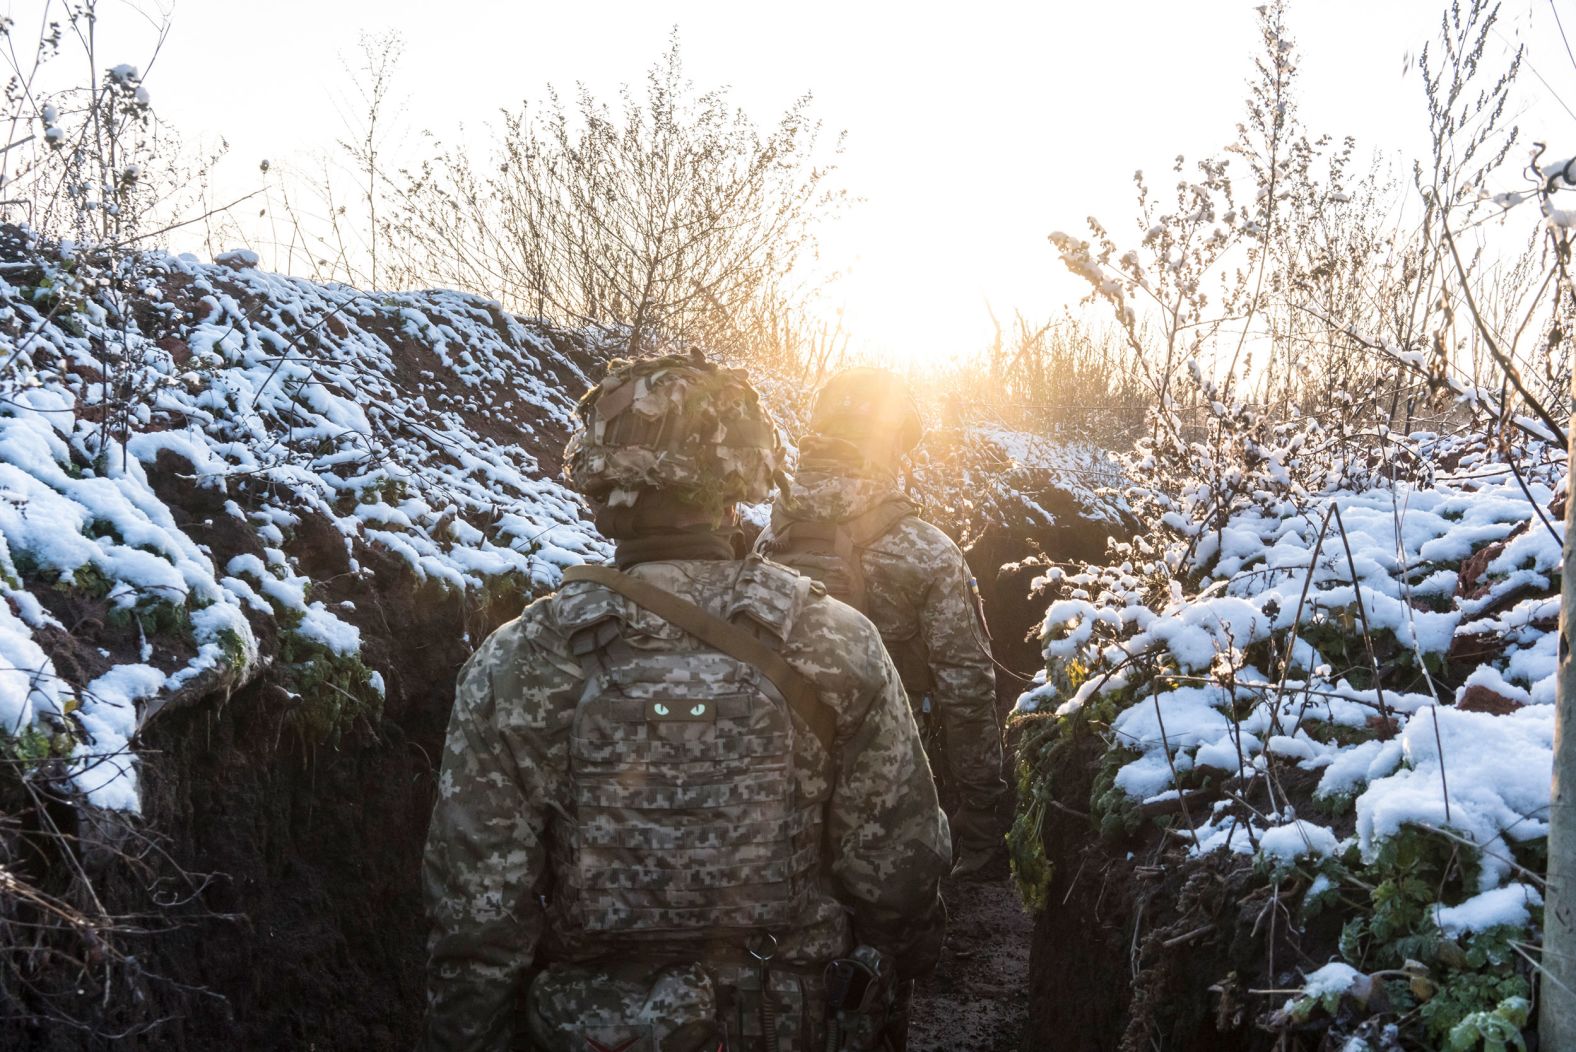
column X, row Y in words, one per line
column 963, row 743
column 645, row 1007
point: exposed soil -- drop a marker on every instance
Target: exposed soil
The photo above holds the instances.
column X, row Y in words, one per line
column 310, row 932
column 978, row 998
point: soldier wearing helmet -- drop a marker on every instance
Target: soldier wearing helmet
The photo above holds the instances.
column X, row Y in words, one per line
column 683, row 795
column 844, row 521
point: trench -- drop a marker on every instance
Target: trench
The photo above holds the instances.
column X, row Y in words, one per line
column 980, row 997
column 297, row 920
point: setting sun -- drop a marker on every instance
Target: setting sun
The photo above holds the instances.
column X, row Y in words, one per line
column 968, row 140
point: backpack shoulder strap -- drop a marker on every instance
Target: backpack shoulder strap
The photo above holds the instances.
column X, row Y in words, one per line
column 796, row 689
column 876, row 523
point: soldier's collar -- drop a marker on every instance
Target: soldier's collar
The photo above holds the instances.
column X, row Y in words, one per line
column 664, row 545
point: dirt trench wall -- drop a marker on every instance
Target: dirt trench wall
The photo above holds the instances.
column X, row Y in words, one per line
column 309, row 928
column 310, row 931
column 1102, row 977
column 1013, row 610
column 1140, row 947
column 1078, row 994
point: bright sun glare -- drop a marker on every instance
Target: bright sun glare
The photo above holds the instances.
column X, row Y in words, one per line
column 968, row 140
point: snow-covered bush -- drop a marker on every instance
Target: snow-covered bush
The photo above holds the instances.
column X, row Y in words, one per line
column 1352, row 687
column 1330, row 647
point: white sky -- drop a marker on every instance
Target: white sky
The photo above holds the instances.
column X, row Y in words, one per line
column 973, row 130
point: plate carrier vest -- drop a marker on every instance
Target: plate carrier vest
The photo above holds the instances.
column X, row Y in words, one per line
column 681, row 763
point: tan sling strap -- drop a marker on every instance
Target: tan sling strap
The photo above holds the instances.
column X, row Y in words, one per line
column 721, row 635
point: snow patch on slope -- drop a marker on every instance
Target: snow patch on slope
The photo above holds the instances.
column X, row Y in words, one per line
column 410, row 422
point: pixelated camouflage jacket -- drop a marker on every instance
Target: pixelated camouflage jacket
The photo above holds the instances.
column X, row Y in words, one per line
column 918, row 585
column 504, row 812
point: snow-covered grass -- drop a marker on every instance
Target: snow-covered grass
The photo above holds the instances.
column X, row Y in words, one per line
column 1350, row 688
column 1272, row 582
column 411, row 423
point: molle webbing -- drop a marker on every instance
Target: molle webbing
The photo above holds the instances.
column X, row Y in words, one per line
column 686, row 815
column 721, row 635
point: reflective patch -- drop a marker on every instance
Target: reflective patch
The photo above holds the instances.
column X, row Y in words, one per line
column 681, row 710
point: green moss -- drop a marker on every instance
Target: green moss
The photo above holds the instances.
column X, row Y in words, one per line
column 36, row 743
column 1031, row 870
column 387, row 489
column 1039, row 747
column 87, row 580
column 102, row 529
column 154, row 617
column 26, row 563
column 1114, row 811
column 512, row 589
column 28, row 746
column 335, row 690
column 233, row 647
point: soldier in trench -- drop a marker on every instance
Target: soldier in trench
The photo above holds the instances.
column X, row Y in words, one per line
column 690, row 783
column 844, row 521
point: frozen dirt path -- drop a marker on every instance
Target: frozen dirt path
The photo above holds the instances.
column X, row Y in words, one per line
column 977, row 1001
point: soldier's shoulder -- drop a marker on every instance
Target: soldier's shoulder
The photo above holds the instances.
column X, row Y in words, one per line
column 921, row 543
column 842, row 638
column 574, row 606
column 925, row 533
column 773, row 594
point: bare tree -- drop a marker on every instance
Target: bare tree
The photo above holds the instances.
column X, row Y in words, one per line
column 671, row 217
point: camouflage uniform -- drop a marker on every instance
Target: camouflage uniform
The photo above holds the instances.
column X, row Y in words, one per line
column 923, row 599
column 911, row 581
column 529, row 858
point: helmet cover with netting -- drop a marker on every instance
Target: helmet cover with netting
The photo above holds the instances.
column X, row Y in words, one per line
column 676, row 425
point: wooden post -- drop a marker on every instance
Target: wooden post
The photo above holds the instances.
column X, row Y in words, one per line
column 1557, row 989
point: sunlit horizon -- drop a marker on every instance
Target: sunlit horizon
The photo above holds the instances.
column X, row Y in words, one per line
column 968, row 139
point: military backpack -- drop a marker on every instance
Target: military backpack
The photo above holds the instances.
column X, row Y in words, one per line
column 832, row 552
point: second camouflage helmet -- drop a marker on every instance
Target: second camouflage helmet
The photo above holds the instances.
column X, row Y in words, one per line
column 868, row 403
column 677, row 425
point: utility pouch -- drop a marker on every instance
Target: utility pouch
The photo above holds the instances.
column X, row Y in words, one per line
column 624, row 1007
column 859, row 991
column 792, row 1004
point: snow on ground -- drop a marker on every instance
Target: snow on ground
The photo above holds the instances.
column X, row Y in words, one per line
column 1455, row 581
column 1084, row 471
column 410, row 422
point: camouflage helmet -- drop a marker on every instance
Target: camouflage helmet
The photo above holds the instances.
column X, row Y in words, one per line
column 866, row 403
column 678, row 425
